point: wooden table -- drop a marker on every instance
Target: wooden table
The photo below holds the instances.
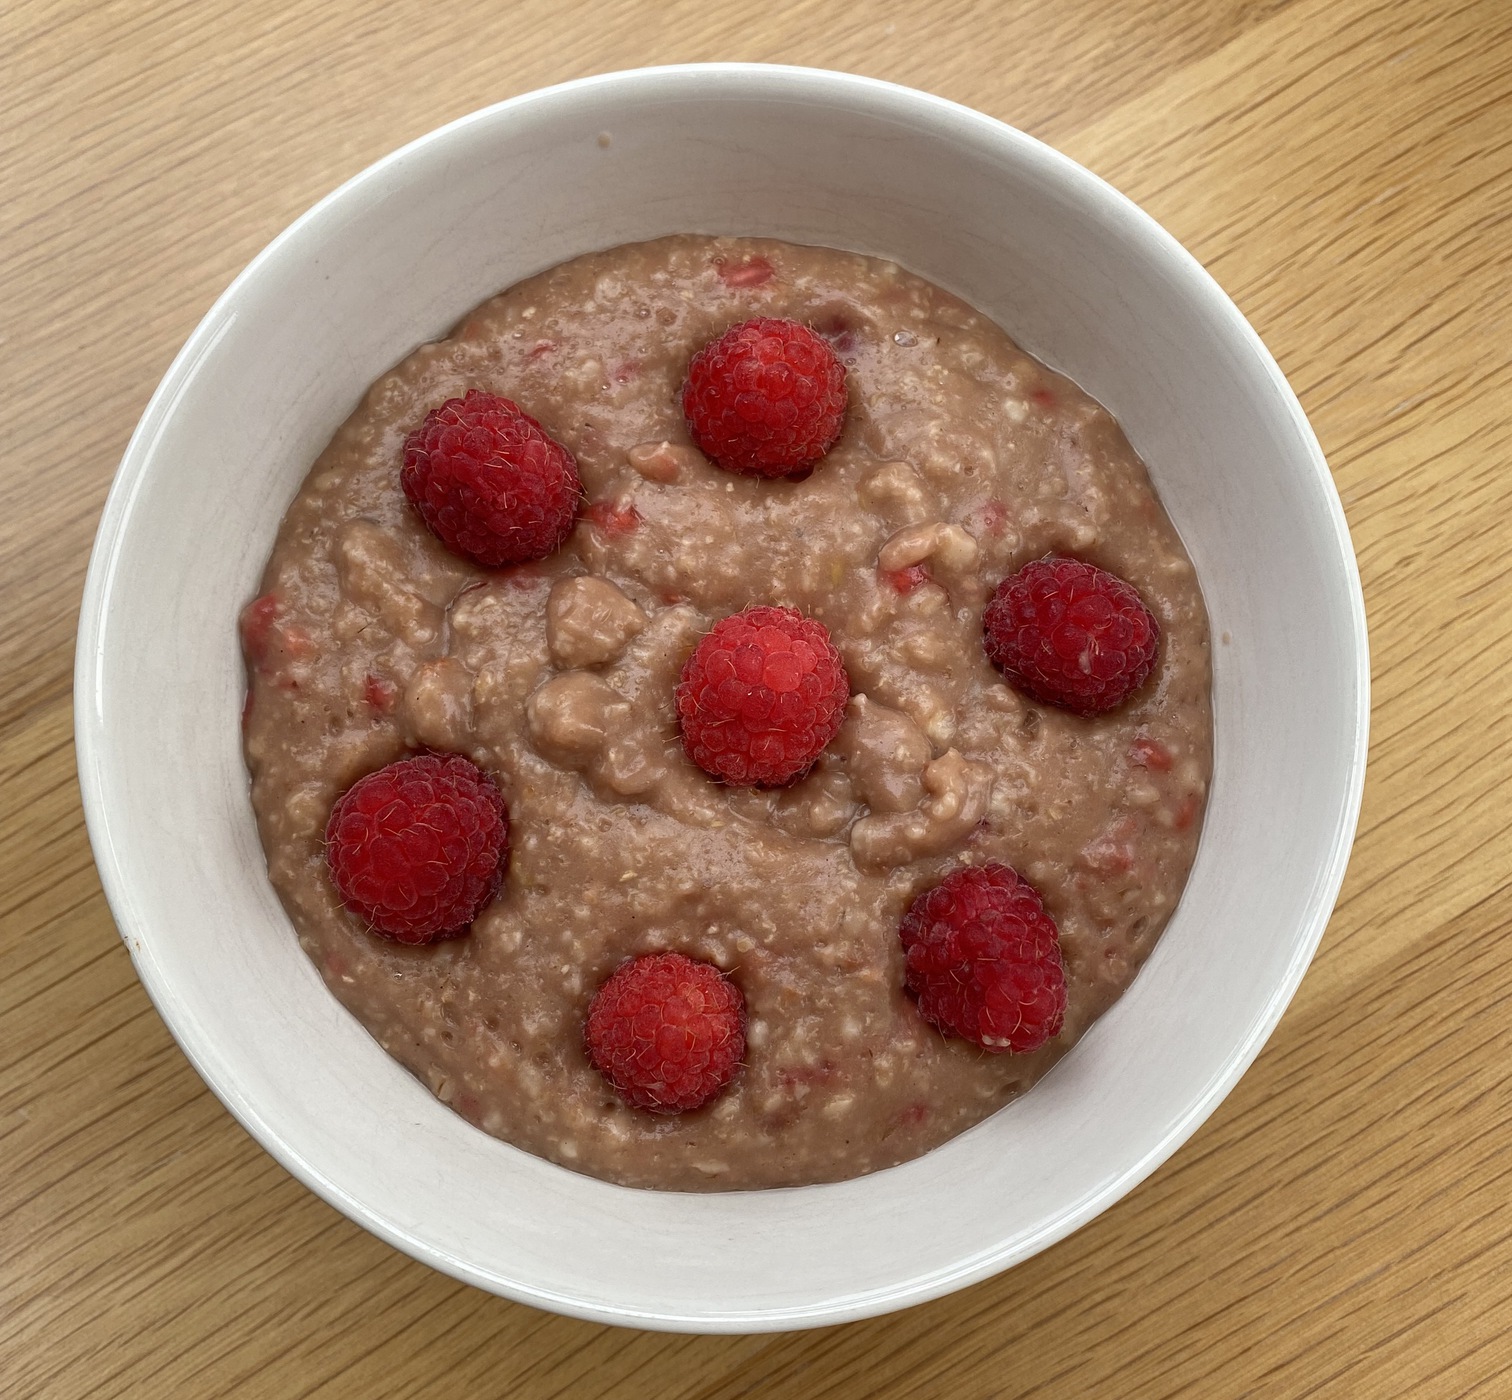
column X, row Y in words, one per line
column 1341, row 1227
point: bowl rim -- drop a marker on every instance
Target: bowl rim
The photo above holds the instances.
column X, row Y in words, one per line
column 90, row 741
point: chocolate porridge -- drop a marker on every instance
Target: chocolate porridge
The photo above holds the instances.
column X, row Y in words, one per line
column 961, row 459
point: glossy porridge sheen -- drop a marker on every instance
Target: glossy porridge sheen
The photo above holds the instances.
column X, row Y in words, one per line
column 961, row 459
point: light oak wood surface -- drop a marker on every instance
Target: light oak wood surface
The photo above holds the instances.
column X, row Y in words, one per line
column 1342, row 1226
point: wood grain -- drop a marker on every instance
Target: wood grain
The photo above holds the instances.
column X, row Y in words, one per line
column 1340, row 1228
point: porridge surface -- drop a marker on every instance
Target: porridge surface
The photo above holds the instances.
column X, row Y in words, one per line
column 961, row 460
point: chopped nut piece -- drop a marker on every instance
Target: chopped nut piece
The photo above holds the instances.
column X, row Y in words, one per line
column 438, row 705
column 663, row 461
column 373, row 576
column 886, row 754
column 949, row 546
column 896, row 492
column 570, row 716
column 959, row 791
column 589, row 620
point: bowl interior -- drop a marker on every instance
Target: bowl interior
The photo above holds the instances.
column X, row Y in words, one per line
column 1076, row 274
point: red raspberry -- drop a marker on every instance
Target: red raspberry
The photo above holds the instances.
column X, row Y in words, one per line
column 489, row 482
column 765, row 399
column 983, row 959
column 1070, row 634
column 761, row 696
column 667, row 1032
column 418, row 848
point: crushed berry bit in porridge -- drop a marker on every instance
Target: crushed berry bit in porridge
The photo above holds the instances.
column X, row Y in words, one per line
column 959, row 461
column 613, row 518
column 257, row 621
column 750, row 272
column 906, row 580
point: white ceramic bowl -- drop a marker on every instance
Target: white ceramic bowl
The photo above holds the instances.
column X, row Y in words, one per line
column 1077, row 275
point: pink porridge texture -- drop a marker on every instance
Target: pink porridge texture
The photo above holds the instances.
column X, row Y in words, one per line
column 960, row 460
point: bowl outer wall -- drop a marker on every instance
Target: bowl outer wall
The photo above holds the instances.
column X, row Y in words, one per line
column 1080, row 277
